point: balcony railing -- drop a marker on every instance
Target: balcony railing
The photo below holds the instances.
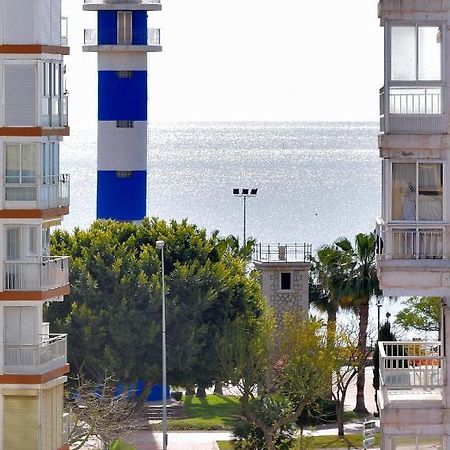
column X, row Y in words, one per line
column 109, row 37
column 50, row 353
column 55, row 111
column 48, row 192
column 282, row 252
column 112, row 2
column 411, row 364
column 393, row 242
column 412, row 109
column 48, row 273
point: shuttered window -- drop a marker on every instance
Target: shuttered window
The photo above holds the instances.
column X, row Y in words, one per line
column 20, row 425
column 20, row 94
column 52, row 416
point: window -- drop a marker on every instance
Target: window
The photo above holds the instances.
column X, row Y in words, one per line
column 124, row 27
column 124, row 124
column 21, row 242
column 50, row 162
column 20, row 163
column 124, row 73
column 416, row 53
column 285, row 281
column 123, row 174
column 417, row 192
column 416, row 442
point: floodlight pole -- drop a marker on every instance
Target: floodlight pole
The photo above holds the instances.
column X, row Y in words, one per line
column 160, row 246
column 244, row 194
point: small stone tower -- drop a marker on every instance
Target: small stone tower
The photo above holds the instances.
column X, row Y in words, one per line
column 284, row 276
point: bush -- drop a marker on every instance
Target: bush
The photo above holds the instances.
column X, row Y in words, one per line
column 319, row 412
column 269, row 409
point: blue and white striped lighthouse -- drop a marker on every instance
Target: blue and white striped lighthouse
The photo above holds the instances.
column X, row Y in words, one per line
column 122, row 41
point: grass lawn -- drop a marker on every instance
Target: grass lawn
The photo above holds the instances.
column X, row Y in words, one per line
column 348, row 441
column 215, row 412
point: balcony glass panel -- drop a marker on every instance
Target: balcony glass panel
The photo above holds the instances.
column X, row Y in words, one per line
column 429, row 51
column 417, row 184
column 403, row 53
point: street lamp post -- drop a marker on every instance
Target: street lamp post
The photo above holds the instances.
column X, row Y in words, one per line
column 160, row 246
column 379, row 304
column 245, row 194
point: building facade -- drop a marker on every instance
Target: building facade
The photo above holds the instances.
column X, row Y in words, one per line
column 122, row 41
column 34, row 197
column 284, row 277
column 413, row 234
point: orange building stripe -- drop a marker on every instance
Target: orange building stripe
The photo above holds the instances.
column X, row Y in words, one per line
column 34, row 131
column 33, row 213
column 35, row 379
column 64, row 447
column 35, row 48
column 34, row 295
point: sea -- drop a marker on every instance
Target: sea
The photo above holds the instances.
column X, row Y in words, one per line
column 316, row 181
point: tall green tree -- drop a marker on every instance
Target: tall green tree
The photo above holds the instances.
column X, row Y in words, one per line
column 421, row 314
column 113, row 313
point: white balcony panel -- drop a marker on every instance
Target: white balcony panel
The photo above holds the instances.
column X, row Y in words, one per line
column 411, row 372
column 48, row 192
column 48, row 355
column 48, row 273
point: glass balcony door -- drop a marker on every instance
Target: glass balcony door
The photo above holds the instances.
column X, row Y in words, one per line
column 20, row 172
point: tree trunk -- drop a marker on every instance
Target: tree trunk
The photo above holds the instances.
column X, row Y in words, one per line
column 190, row 390
column 143, row 397
column 331, row 333
column 201, row 392
column 340, row 417
column 362, row 342
column 268, row 437
column 218, row 388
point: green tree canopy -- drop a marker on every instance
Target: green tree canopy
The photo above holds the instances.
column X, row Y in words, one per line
column 421, row 314
column 113, row 313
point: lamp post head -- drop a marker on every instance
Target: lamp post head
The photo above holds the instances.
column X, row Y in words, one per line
column 160, row 245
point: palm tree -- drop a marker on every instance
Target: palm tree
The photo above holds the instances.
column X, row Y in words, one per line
column 361, row 285
column 329, row 274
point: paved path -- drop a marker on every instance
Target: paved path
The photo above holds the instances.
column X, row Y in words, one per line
column 146, row 440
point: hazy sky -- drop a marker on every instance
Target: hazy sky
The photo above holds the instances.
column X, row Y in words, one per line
column 248, row 60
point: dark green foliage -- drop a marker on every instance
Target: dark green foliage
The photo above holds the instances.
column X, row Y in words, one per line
column 177, row 396
column 113, row 313
column 269, row 409
column 384, row 334
column 321, row 411
column 420, row 313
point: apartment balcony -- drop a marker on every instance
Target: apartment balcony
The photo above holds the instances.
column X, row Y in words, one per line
column 36, row 192
column 49, row 354
column 146, row 5
column 146, row 41
column 411, row 374
column 55, row 111
column 412, row 110
column 413, row 259
column 45, row 274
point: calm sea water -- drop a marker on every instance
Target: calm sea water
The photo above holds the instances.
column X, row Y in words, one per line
column 316, row 181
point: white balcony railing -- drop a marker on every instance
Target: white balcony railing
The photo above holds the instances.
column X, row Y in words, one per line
column 421, row 242
column 48, row 192
column 49, row 273
column 50, row 353
column 411, row 364
column 412, row 109
column 55, row 111
column 109, row 37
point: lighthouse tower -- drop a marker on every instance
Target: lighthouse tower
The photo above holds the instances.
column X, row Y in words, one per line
column 122, row 41
column 34, row 196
